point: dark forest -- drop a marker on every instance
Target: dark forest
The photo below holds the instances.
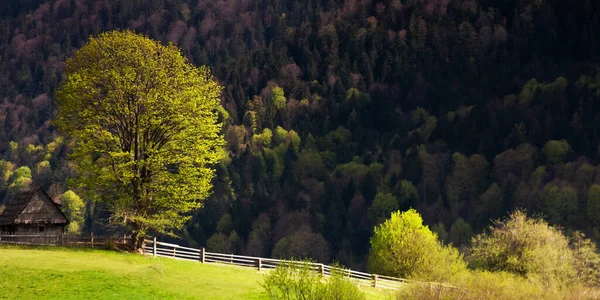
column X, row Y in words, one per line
column 338, row 113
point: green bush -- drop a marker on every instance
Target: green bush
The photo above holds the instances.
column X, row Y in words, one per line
column 297, row 280
column 524, row 246
column 339, row 287
column 484, row 285
column 403, row 247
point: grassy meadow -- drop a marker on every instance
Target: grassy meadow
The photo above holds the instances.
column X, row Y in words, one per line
column 60, row 273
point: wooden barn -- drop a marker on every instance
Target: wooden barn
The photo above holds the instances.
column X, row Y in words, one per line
column 33, row 211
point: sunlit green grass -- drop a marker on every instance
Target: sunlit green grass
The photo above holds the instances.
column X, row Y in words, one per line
column 59, row 273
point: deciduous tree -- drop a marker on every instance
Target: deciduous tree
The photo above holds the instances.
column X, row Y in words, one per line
column 404, row 247
column 73, row 207
column 144, row 125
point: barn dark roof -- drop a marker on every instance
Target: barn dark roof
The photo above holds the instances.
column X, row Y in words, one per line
column 16, row 205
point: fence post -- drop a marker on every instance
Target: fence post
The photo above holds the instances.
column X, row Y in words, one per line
column 231, row 259
column 92, row 235
column 203, row 251
column 154, row 247
column 259, row 264
column 174, row 251
column 322, row 270
column 375, row 281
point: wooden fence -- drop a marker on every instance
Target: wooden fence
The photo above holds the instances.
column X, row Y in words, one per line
column 67, row 240
column 154, row 248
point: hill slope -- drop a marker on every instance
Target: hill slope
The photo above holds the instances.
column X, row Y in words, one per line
column 59, row 273
column 85, row 274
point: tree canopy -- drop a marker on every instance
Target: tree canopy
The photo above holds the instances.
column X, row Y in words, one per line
column 402, row 246
column 143, row 121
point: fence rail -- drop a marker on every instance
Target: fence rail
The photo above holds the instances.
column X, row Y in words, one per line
column 160, row 249
column 67, row 240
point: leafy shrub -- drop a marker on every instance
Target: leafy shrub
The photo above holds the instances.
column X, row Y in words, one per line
column 524, row 246
column 586, row 260
column 340, row 287
column 403, row 247
column 484, row 285
column 297, row 280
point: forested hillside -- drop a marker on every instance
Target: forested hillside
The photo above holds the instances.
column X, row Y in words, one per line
column 340, row 112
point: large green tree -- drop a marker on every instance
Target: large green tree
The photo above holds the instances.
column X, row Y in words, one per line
column 145, row 129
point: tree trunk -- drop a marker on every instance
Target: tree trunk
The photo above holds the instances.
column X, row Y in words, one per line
column 138, row 234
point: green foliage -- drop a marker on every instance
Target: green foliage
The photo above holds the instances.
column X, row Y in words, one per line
column 263, row 139
column 528, row 92
column 460, row 232
column 593, row 204
column 537, row 177
column 293, row 281
column 408, row 194
column 383, row 205
column 586, row 260
column 294, row 139
column 73, row 207
column 224, row 225
column 337, row 137
column 440, row 230
column 476, row 285
column 274, row 159
column 359, row 170
column 42, row 165
column 372, row 54
column 283, row 136
column 490, row 204
column 556, row 151
column 468, row 177
column 260, row 236
column 144, row 125
column 278, row 98
column 310, row 164
column 74, row 227
column 404, row 247
column 299, row 281
column 33, row 148
column 579, row 261
column 251, row 120
column 22, row 172
column 340, row 287
column 560, row 202
column 524, row 246
column 20, row 179
column 302, row 244
column 220, row 243
column 280, row 135
column 427, row 124
column 6, row 171
column 352, row 94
